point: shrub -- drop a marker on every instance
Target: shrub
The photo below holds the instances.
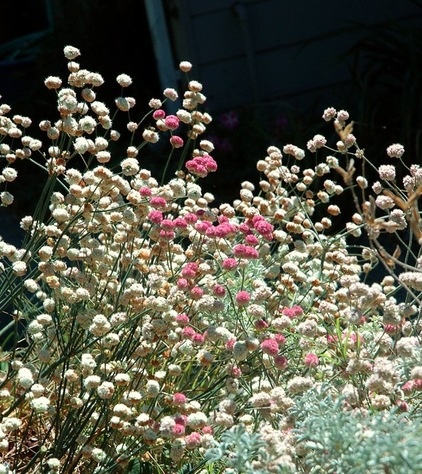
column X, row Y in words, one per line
column 159, row 327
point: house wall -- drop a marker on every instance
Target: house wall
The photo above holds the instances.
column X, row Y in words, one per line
column 263, row 51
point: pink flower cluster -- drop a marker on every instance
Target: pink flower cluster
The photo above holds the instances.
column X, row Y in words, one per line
column 293, row 311
column 263, row 227
column 201, row 165
column 168, row 123
column 245, row 251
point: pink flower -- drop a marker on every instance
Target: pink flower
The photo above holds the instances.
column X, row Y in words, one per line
column 242, row 298
column 408, row 387
column 158, row 114
column 280, row 339
column 260, row 325
column 196, row 292
column 179, row 398
column 225, row 229
column 245, row 251
column 180, row 222
column 181, row 420
column 182, row 319
column 264, row 228
column 158, row 201
column 190, row 270
column 145, row 191
column 188, row 332
column 210, row 232
column 229, row 263
column 280, row 362
column 201, row 165
column 210, row 163
column 167, row 224
column 219, row 290
column 245, row 228
column 190, row 218
column 311, row 360
column 172, row 122
column 155, row 216
column 392, row 328
column 402, row 405
column 270, row 347
column 193, row 440
column 182, row 284
column 198, row 339
column 293, row 311
column 176, row 141
column 194, row 167
column 353, row 337
column 203, row 226
column 178, row 430
column 229, row 344
column 199, row 170
column 167, row 235
column 234, row 371
column 251, row 239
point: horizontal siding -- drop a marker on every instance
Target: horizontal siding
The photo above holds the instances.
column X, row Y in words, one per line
column 281, row 49
column 279, row 73
column 332, row 10
column 276, row 24
column 288, row 70
column 204, row 7
column 283, row 23
column 217, row 36
column 225, row 85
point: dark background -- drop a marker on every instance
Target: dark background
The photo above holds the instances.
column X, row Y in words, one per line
column 113, row 37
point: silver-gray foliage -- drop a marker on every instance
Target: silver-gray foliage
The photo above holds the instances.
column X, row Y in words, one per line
column 335, row 440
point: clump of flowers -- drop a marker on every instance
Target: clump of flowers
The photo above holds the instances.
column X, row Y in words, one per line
column 156, row 321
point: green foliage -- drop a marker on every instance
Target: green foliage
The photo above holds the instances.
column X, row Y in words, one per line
column 136, row 466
